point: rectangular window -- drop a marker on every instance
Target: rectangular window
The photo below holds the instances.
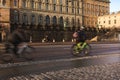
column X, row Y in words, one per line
column 54, row 1
column 67, row 9
column 15, row 2
column 104, row 22
column 60, row 8
column 54, row 7
column 72, row 10
column 115, row 22
column 24, row 4
column 109, row 22
column 60, row 2
column 39, row 6
column 78, row 11
column 99, row 22
column 32, row 4
column 47, row 6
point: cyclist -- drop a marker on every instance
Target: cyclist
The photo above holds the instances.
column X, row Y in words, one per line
column 80, row 37
column 16, row 37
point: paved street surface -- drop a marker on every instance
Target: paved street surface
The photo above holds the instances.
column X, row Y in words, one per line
column 102, row 64
column 96, row 72
column 101, row 67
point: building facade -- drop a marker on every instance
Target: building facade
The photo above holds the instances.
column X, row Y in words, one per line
column 109, row 21
column 41, row 17
column 92, row 9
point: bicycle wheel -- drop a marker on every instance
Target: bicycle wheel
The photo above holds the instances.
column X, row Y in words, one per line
column 87, row 49
column 74, row 50
column 7, row 57
column 27, row 52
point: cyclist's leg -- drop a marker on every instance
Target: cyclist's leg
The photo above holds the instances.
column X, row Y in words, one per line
column 15, row 49
column 79, row 45
column 83, row 45
column 7, row 46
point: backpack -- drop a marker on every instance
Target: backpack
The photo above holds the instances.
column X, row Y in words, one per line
column 81, row 36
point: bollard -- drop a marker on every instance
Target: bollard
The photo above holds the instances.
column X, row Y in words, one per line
column 72, row 40
column 30, row 39
column 63, row 40
column 43, row 40
column 53, row 40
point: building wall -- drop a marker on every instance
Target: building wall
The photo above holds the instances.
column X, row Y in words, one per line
column 29, row 11
column 109, row 21
column 34, row 14
column 92, row 9
column 88, row 10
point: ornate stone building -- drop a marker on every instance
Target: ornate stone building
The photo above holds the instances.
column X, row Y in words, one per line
column 43, row 12
column 92, row 9
column 110, row 21
column 42, row 16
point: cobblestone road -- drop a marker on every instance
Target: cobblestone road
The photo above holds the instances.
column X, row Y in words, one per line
column 96, row 72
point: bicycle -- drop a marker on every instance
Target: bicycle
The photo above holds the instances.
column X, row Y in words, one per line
column 81, row 48
column 24, row 51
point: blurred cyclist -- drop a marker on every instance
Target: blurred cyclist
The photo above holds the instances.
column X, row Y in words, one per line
column 16, row 37
column 80, row 37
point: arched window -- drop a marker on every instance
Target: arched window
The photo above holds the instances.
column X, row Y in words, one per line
column 40, row 19
column 54, row 20
column 47, row 20
column 73, row 21
column 15, row 16
column 25, row 19
column 61, row 21
column 33, row 21
column 67, row 22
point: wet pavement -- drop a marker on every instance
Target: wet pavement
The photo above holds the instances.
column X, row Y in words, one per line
column 103, row 64
column 100, row 67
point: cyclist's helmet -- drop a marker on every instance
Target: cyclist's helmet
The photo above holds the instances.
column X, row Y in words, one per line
column 81, row 28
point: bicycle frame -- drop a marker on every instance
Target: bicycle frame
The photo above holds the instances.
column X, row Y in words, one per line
column 24, row 51
column 80, row 48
